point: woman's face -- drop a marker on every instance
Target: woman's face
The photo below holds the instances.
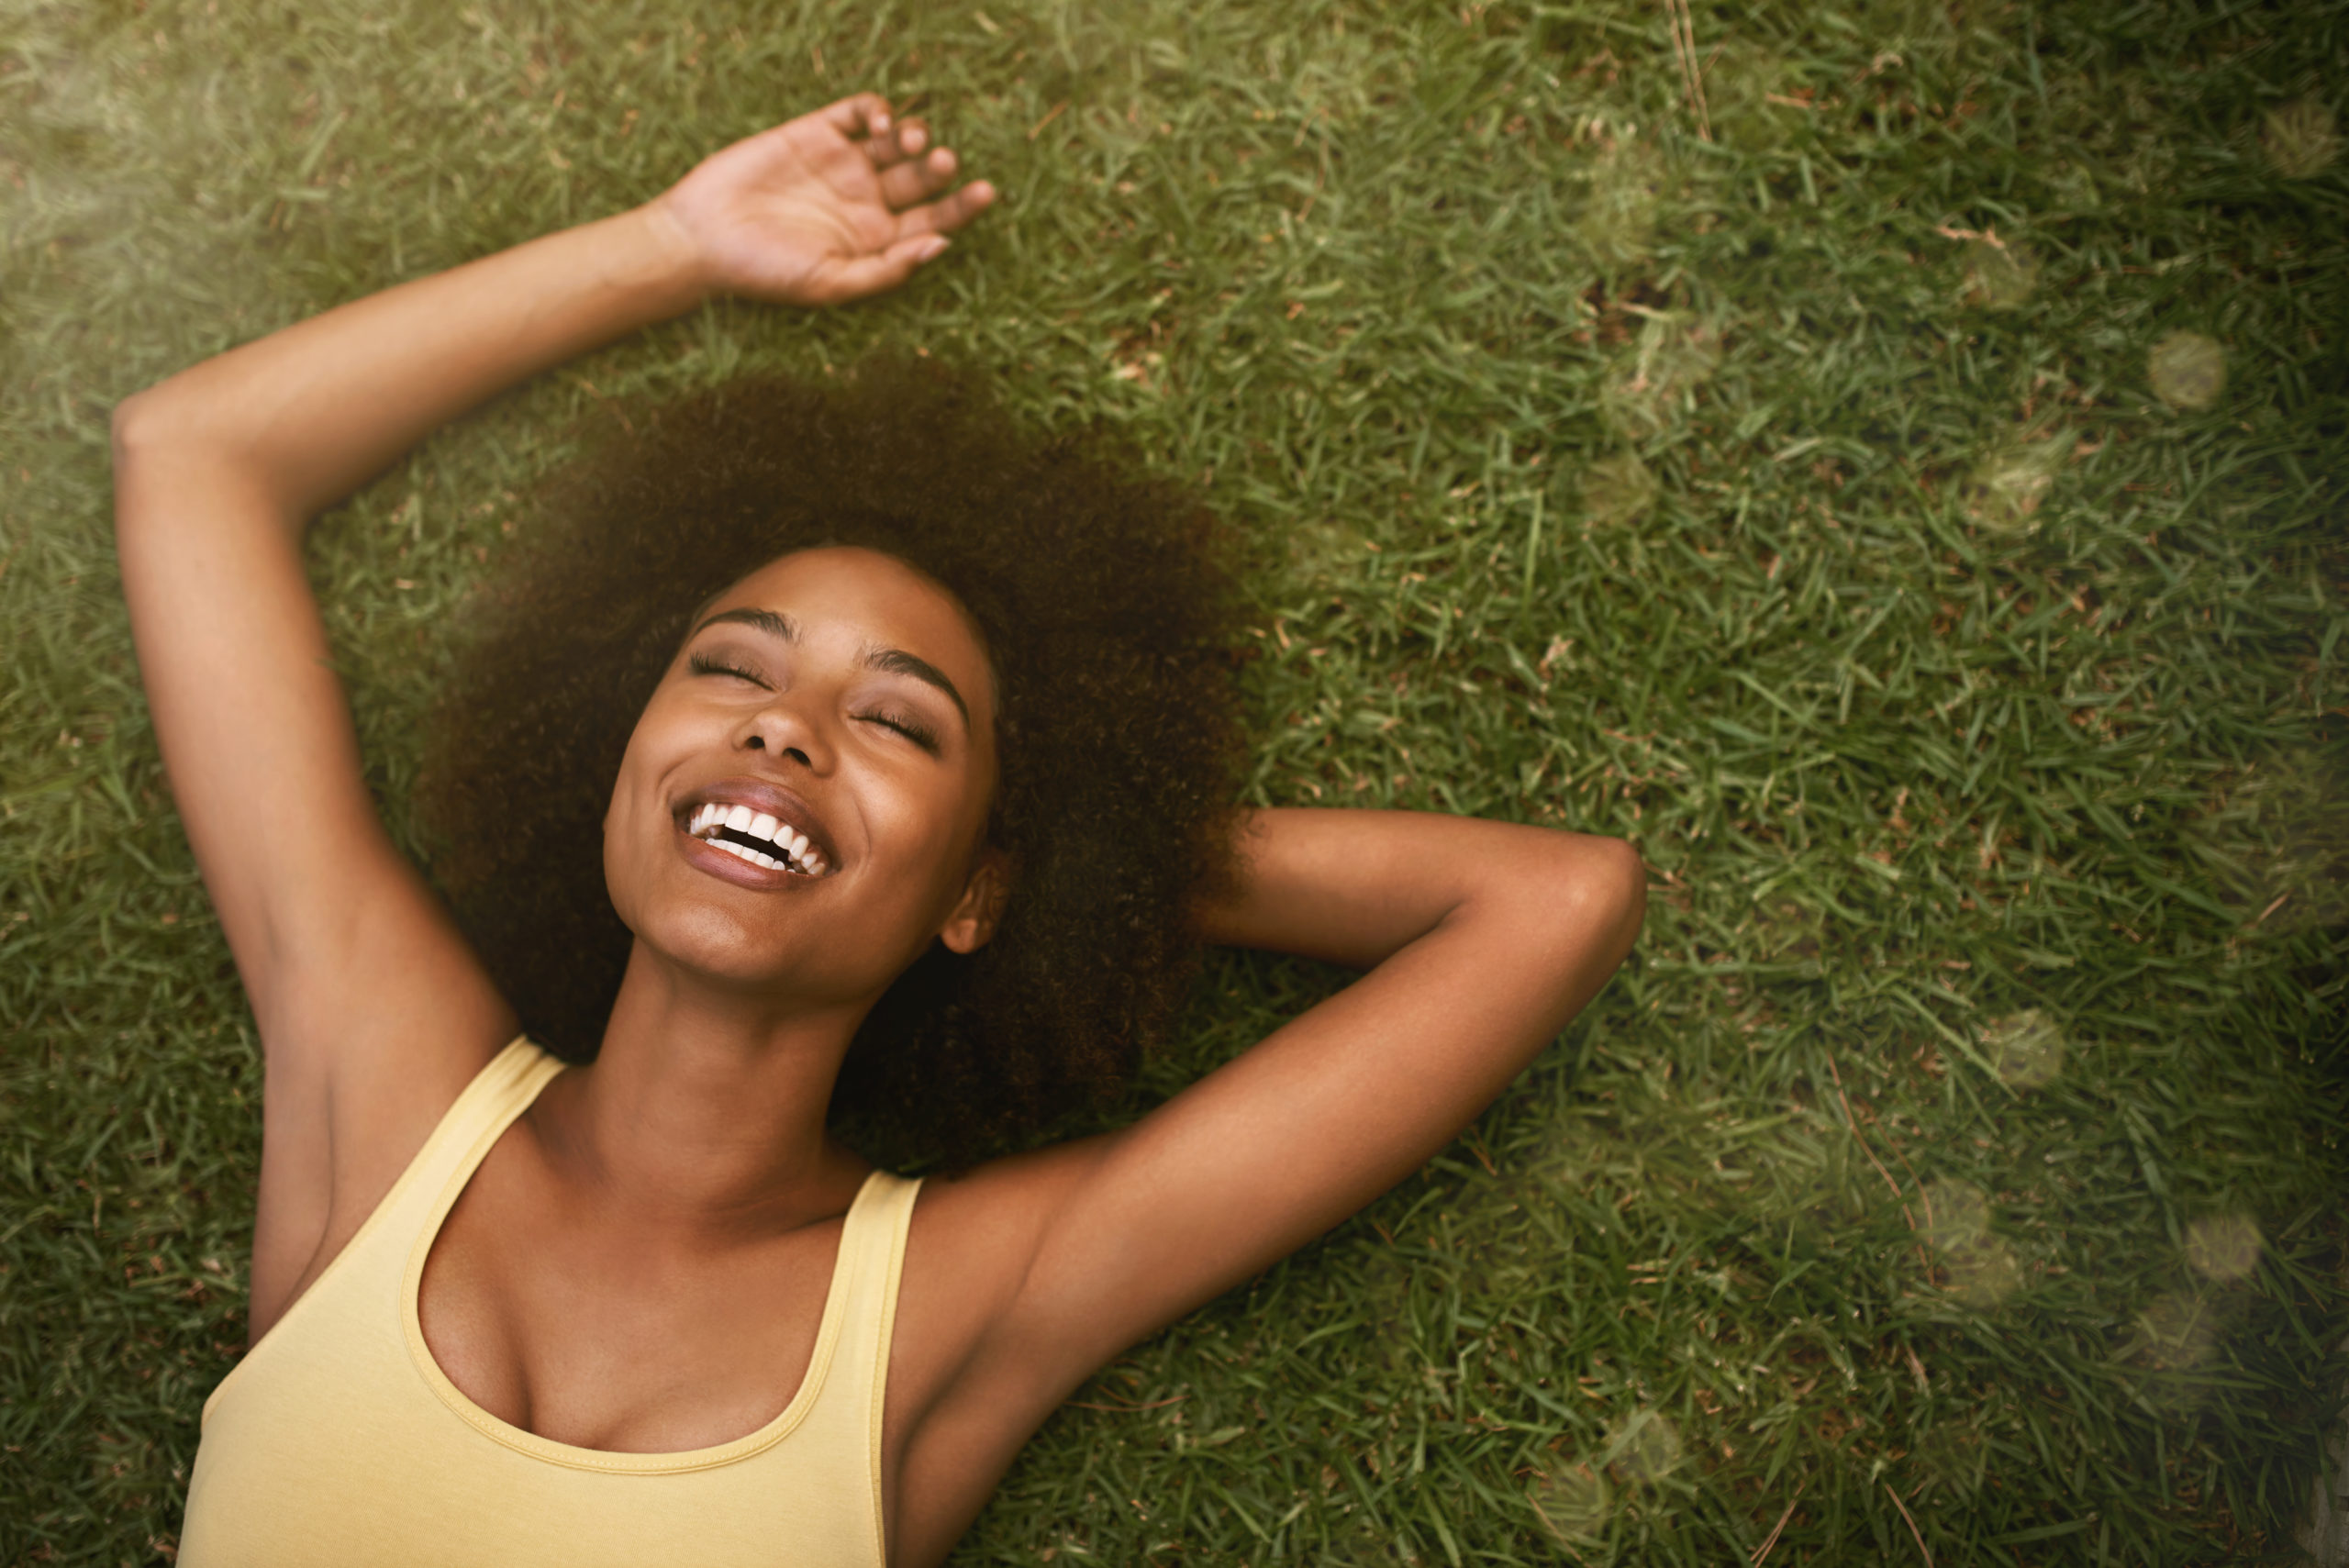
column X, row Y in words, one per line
column 801, row 805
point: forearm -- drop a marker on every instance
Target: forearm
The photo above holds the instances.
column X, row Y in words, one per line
column 300, row 418
column 1355, row 887
column 1482, row 939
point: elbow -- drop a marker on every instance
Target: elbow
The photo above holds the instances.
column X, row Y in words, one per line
column 161, row 451
column 125, row 430
column 1628, row 872
column 129, row 431
column 132, row 429
column 164, row 419
column 1592, row 898
column 134, row 432
column 1623, row 876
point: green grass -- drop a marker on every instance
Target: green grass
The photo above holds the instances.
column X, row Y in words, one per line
column 1980, row 711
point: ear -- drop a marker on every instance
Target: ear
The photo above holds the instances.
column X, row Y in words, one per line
column 972, row 922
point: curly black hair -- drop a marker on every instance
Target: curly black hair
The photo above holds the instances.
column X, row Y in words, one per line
column 1105, row 596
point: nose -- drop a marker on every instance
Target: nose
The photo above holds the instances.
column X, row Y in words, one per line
column 780, row 728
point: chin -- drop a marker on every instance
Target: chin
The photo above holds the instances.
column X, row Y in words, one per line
column 709, row 946
column 712, row 945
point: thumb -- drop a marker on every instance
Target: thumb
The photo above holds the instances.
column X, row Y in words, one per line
column 877, row 273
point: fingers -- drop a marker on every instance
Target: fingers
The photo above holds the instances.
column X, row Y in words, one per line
column 904, row 140
column 883, row 271
column 863, row 113
column 918, row 179
column 913, row 171
column 948, row 213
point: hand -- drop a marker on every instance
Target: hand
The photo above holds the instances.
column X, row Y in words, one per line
column 830, row 207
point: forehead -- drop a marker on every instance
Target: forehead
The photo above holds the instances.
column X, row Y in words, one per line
column 878, row 599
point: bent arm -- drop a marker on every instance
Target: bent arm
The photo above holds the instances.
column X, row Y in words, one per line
column 1480, row 941
column 299, row 419
column 219, row 468
column 373, row 1012
column 219, row 471
column 1357, row 887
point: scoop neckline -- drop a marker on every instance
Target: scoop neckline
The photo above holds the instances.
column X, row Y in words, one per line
column 794, row 1411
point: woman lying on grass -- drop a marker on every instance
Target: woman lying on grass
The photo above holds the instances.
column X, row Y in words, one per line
column 904, row 735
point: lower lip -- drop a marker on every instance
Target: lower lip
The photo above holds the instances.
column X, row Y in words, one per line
column 726, row 866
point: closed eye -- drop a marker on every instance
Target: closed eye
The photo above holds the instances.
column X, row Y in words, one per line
column 912, row 728
column 703, row 664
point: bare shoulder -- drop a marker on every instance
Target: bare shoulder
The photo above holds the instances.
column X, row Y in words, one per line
column 964, row 1394
column 358, row 1074
column 973, row 1241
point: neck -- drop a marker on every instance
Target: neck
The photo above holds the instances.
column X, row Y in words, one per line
column 703, row 1115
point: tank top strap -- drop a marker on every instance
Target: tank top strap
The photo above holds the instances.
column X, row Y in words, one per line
column 499, row 1091
column 375, row 1253
column 873, row 1253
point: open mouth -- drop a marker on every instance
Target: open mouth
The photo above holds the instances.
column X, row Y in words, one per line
column 757, row 837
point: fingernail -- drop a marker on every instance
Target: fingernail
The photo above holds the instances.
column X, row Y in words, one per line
column 934, row 247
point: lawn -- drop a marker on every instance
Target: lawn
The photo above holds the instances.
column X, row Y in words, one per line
column 1901, row 487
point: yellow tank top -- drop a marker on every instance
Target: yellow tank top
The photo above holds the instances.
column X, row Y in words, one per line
column 338, row 1440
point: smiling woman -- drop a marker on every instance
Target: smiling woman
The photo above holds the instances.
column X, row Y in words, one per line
column 1104, row 619
column 906, row 735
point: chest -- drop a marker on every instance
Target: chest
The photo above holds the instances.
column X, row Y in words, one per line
column 615, row 1337
column 618, row 1397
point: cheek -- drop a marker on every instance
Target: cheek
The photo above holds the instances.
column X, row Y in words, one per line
column 956, row 831
column 629, row 809
column 619, row 883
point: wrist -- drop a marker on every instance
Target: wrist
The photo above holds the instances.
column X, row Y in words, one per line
column 677, row 266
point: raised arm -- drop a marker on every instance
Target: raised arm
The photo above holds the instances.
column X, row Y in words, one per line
column 372, row 1012
column 1481, row 939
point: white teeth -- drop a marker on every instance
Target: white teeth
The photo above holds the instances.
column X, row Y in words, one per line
column 743, row 851
column 795, row 851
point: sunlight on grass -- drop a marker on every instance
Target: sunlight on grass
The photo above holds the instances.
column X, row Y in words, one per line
column 1573, row 1502
column 1641, row 1446
column 1983, row 1272
column 1980, row 1269
column 1655, row 387
column 2223, row 1246
column 2007, row 487
column 2178, row 1330
column 2025, row 1049
column 1958, row 1216
column 2186, row 370
column 1626, row 181
column 1616, row 490
column 2002, row 275
column 2300, row 139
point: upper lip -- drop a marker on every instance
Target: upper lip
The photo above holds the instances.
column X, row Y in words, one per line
column 785, row 805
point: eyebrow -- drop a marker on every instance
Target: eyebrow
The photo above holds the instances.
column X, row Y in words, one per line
column 890, row 660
